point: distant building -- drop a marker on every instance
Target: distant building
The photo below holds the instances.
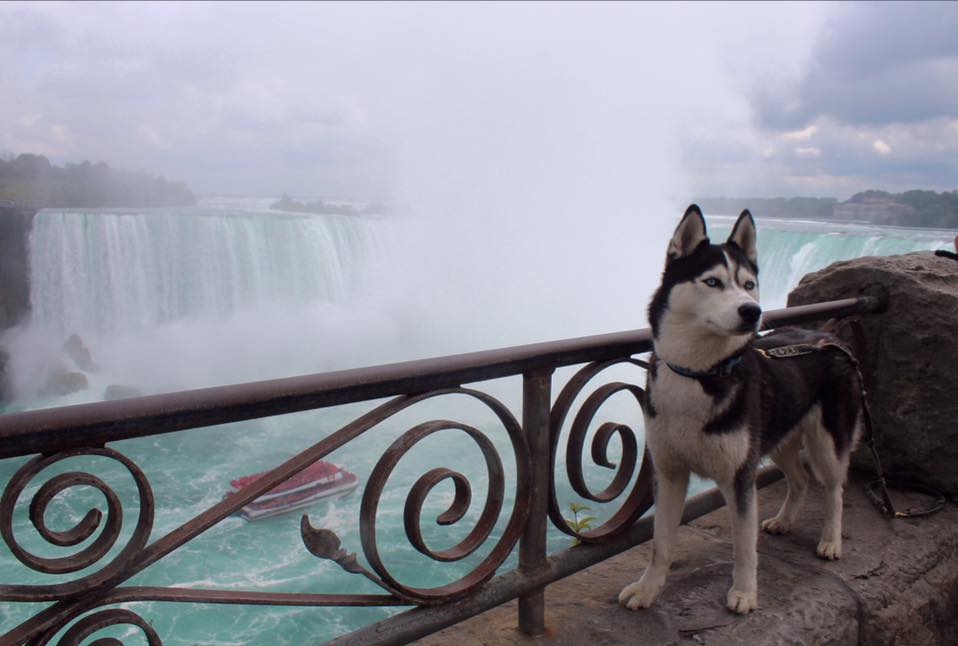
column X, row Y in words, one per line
column 877, row 210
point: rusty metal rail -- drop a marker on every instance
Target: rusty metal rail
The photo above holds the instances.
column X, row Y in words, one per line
column 79, row 608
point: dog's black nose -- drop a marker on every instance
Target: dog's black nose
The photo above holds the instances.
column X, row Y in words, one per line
column 750, row 313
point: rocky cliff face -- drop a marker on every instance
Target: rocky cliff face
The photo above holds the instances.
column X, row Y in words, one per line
column 911, row 359
column 15, row 225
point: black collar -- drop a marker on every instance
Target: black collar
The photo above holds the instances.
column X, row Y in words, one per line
column 721, row 369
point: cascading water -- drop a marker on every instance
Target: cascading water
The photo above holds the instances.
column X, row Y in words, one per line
column 106, row 273
column 789, row 249
column 175, row 299
column 231, row 292
column 178, row 299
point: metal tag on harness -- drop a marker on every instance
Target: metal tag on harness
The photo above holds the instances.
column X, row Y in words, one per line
column 786, row 351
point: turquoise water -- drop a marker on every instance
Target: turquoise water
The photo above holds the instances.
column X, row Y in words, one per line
column 228, row 292
column 789, row 249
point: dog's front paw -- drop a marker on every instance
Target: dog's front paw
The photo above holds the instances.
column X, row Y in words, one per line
column 640, row 594
column 776, row 525
column 741, row 602
column 829, row 550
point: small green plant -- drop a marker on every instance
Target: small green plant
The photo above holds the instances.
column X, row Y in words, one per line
column 576, row 523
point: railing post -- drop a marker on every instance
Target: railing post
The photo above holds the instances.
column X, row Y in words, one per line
column 536, row 402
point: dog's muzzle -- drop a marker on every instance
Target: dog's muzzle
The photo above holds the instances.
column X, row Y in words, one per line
column 750, row 313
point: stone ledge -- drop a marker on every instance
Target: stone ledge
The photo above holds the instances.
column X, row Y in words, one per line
column 897, row 583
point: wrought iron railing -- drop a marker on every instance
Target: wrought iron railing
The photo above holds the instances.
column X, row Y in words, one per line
column 81, row 607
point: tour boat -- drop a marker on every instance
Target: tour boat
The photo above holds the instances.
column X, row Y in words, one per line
column 319, row 480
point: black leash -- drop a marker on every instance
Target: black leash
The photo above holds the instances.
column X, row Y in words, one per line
column 877, row 490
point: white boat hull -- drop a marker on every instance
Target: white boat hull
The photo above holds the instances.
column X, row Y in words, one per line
column 256, row 512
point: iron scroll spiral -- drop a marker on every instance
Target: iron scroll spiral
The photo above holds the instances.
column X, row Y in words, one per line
column 79, row 533
column 96, row 622
column 456, row 511
column 640, row 498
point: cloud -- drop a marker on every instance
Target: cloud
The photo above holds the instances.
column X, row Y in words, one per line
column 29, row 120
column 874, row 63
column 61, row 134
column 191, row 92
column 800, row 135
column 406, row 100
column 352, row 100
column 872, row 103
column 891, row 157
column 835, row 160
column 881, row 147
column 151, row 137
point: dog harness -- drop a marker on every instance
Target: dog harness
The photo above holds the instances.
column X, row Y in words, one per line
column 721, row 369
column 877, row 490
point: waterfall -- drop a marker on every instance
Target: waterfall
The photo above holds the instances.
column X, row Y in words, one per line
column 230, row 291
column 790, row 249
column 104, row 273
column 170, row 299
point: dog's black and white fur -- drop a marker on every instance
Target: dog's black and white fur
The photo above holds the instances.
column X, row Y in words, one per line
column 716, row 404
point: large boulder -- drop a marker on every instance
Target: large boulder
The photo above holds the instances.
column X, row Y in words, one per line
column 119, row 391
column 76, row 349
column 65, row 382
column 910, row 362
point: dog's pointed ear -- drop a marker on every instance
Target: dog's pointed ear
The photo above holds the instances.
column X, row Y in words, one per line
column 688, row 235
column 743, row 235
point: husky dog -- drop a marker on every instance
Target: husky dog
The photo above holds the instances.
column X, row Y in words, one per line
column 717, row 403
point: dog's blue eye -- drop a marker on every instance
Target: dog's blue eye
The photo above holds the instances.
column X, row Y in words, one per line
column 712, row 282
column 749, row 285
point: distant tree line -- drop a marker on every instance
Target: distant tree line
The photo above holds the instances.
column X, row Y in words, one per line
column 931, row 209
column 816, row 208
column 914, row 208
column 32, row 179
column 286, row 203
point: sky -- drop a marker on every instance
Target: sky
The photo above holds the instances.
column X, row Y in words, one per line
column 484, row 104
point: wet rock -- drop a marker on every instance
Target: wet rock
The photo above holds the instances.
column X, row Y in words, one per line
column 64, row 382
column 16, row 222
column 896, row 584
column 76, row 349
column 119, row 391
column 910, row 362
column 4, row 379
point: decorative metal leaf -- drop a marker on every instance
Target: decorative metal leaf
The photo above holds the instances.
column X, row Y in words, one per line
column 325, row 544
column 350, row 564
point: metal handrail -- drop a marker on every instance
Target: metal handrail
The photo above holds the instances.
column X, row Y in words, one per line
column 25, row 433
column 55, row 434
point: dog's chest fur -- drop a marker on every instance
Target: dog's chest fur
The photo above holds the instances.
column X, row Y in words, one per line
column 680, row 411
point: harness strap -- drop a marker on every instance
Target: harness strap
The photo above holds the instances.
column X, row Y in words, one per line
column 881, row 499
column 721, row 369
